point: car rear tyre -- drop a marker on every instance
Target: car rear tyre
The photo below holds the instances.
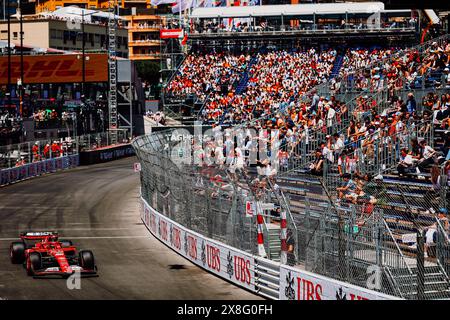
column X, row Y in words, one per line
column 17, row 252
column 66, row 243
column 86, row 259
column 34, row 263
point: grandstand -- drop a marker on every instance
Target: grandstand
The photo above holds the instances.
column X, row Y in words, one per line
column 351, row 140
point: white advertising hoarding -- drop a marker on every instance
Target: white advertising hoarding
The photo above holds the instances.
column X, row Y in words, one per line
column 297, row 284
column 227, row 262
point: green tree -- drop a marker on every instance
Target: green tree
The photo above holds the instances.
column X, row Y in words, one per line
column 148, row 71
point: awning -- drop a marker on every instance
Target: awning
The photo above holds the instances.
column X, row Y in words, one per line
column 295, row 9
column 4, row 44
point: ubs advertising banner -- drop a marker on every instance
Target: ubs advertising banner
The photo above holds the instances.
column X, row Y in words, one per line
column 222, row 260
column 296, row 284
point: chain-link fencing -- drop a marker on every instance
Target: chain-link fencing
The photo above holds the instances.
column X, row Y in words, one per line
column 206, row 199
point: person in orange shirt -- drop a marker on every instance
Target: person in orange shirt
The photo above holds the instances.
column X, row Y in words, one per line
column 55, row 149
column 47, row 151
column 35, row 150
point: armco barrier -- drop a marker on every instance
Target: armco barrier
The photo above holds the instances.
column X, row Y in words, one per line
column 229, row 263
column 261, row 276
column 106, row 154
column 296, row 284
column 12, row 175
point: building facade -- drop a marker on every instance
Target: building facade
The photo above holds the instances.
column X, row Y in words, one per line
column 143, row 36
column 52, row 5
column 59, row 34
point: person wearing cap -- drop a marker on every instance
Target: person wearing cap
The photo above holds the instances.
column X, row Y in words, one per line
column 47, row 151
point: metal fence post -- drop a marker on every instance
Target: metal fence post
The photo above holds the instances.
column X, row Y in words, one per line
column 341, row 246
column 378, row 238
column 420, row 265
column 308, row 227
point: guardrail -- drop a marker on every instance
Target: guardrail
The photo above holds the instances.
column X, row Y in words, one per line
column 31, row 170
column 264, row 277
column 200, row 213
column 31, row 159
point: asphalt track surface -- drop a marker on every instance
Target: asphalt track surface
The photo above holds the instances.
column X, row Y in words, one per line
column 97, row 208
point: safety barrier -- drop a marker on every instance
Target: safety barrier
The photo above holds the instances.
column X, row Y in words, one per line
column 264, row 277
column 30, row 159
column 30, row 170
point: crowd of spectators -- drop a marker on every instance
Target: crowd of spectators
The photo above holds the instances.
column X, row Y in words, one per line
column 263, row 25
column 408, row 68
column 159, row 117
column 397, row 125
column 279, row 80
column 201, row 74
column 45, row 118
column 10, row 126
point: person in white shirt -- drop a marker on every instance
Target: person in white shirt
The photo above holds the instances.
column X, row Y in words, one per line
column 239, row 156
column 406, row 162
column 330, row 116
column 338, row 145
column 428, row 153
column 218, row 153
column 327, row 153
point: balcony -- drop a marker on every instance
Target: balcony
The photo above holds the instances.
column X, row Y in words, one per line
column 143, row 43
column 147, row 56
column 145, row 27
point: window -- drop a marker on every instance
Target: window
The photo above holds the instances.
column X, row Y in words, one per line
column 15, row 35
column 66, row 36
column 53, row 34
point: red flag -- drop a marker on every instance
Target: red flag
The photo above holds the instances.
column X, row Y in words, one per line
column 185, row 38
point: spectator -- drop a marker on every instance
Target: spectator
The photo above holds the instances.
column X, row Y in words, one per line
column 348, row 191
column 406, row 162
column 427, row 156
column 411, row 105
column 316, row 168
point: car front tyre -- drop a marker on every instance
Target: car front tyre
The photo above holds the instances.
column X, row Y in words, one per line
column 34, row 263
column 17, row 252
column 86, row 259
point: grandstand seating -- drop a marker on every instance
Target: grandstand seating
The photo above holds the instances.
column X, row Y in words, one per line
column 370, row 88
column 337, row 66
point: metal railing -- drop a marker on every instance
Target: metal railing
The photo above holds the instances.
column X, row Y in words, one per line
column 28, row 152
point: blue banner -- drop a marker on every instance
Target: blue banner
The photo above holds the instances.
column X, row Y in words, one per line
column 34, row 169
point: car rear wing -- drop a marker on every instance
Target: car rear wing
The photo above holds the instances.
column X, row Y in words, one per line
column 36, row 235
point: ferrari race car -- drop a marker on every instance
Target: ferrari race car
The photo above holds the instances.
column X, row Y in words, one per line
column 42, row 253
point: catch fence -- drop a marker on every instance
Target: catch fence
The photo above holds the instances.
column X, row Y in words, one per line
column 374, row 239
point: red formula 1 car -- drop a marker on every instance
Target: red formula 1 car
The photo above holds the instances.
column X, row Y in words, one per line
column 42, row 253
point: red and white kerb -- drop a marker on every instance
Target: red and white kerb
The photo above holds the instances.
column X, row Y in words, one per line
column 283, row 236
column 260, row 222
